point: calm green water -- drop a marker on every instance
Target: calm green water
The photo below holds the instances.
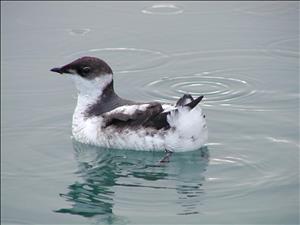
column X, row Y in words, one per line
column 243, row 56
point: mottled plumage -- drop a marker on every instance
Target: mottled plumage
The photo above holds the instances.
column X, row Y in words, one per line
column 103, row 118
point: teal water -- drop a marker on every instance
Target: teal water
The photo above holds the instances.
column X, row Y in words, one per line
column 243, row 56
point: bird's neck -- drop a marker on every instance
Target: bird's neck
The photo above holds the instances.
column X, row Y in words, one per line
column 91, row 91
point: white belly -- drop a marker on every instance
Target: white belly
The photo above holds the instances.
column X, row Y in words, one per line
column 188, row 132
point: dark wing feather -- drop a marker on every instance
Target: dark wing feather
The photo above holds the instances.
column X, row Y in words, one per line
column 153, row 116
column 185, row 99
column 160, row 120
column 194, row 102
column 148, row 118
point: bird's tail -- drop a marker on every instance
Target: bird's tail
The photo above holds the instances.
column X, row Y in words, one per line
column 188, row 126
column 188, row 101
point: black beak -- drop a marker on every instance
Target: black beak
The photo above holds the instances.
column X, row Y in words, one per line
column 57, row 70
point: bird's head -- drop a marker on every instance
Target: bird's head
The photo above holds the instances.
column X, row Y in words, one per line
column 89, row 74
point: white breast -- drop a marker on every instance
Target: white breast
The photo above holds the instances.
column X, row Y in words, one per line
column 188, row 128
column 188, row 132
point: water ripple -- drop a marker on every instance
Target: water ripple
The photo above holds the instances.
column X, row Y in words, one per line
column 286, row 47
column 215, row 88
column 260, row 176
column 270, row 8
column 250, row 88
column 108, row 179
column 79, row 31
column 163, row 9
column 125, row 60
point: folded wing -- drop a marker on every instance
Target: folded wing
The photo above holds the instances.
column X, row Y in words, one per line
column 146, row 115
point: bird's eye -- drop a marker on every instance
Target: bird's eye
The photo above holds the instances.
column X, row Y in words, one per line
column 86, row 69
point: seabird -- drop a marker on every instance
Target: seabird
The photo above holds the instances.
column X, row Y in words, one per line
column 102, row 118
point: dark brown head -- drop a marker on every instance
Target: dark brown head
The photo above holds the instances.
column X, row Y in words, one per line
column 86, row 67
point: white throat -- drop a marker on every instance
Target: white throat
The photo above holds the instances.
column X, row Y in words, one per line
column 89, row 91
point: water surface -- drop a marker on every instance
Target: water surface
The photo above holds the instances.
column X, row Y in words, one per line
column 243, row 56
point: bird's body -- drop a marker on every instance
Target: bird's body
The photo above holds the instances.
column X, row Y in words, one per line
column 104, row 119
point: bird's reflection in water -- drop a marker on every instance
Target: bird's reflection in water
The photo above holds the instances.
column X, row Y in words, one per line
column 102, row 171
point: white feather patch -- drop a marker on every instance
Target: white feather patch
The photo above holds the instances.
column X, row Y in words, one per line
column 188, row 132
column 89, row 91
column 129, row 109
column 168, row 107
column 188, row 128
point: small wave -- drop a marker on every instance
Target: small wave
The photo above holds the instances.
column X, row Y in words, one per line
column 163, row 9
column 125, row 60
